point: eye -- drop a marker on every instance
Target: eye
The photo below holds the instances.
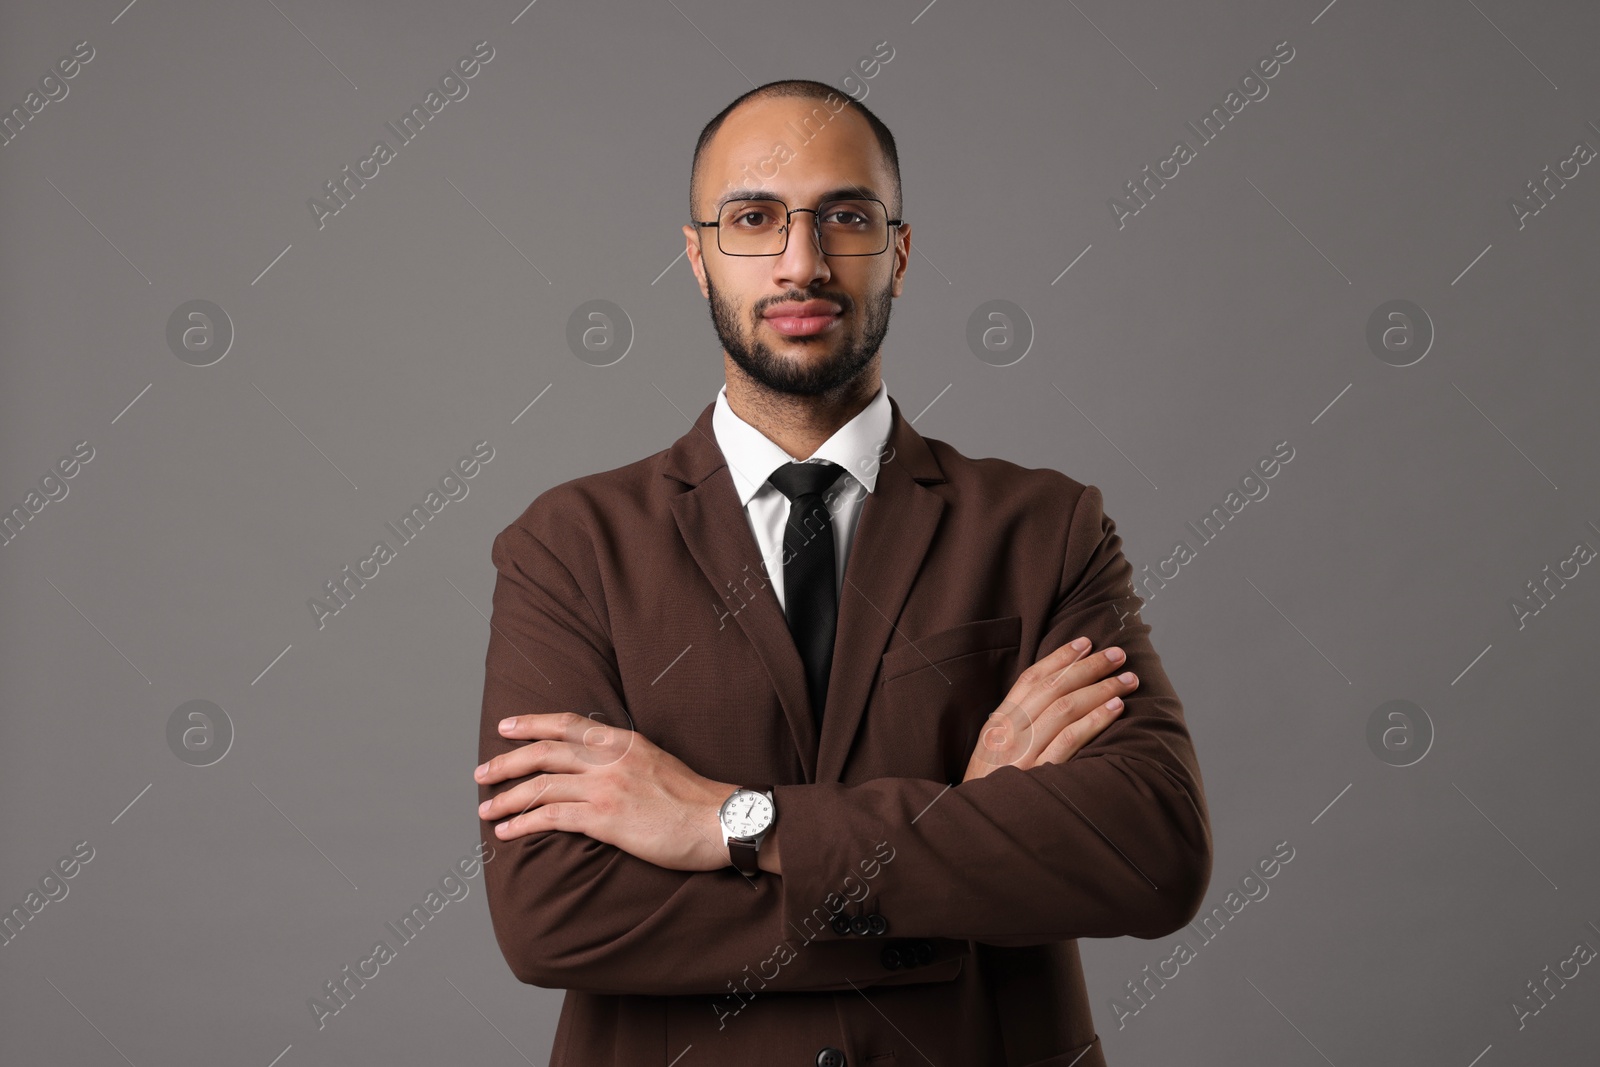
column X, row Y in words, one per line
column 749, row 218
column 846, row 216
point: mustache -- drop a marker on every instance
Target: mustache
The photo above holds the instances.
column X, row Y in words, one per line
column 842, row 299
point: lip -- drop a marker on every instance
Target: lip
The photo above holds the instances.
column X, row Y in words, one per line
column 794, row 319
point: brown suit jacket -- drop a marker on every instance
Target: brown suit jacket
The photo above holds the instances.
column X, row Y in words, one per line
column 638, row 595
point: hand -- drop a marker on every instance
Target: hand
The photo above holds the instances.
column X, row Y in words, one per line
column 609, row 783
column 1055, row 708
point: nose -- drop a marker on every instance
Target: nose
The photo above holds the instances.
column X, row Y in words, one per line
column 802, row 263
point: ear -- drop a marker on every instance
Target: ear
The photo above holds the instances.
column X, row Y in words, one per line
column 902, row 257
column 691, row 235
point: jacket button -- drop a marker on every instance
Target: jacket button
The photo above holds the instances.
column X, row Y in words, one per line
column 892, row 958
column 877, row 924
column 922, row 952
column 830, row 1057
column 841, row 924
column 860, row 925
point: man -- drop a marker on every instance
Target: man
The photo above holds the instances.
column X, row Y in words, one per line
column 773, row 787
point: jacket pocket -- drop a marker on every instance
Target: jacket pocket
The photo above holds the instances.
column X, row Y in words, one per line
column 934, row 696
column 979, row 635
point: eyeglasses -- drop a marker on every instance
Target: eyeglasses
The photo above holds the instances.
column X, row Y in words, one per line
column 857, row 226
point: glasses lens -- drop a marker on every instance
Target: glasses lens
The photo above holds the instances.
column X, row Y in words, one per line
column 751, row 227
column 853, row 227
column 757, row 227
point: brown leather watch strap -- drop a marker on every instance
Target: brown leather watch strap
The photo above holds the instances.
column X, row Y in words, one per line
column 743, row 854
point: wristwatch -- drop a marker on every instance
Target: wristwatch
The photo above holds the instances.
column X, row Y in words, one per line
column 746, row 816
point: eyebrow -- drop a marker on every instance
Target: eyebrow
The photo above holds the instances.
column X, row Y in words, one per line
column 844, row 192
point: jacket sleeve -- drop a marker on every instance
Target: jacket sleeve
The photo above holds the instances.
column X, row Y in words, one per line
column 570, row 912
column 1115, row 841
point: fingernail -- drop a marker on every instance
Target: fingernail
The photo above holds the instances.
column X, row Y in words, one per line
column 506, row 724
column 1080, row 644
column 1126, row 676
column 1116, row 655
column 1114, row 703
column 483, row 809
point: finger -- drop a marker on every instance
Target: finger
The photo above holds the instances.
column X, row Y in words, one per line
column 1065, row 656
column 1087, row 670
column 565, row 815
column 1012, row 725
column 596, row 741
column 545, row 755
column 1032, row 691
column 551, row 725
column 525, row 796
column 1119, row 685
column 1073, row 706
column 1078, row 734
column 1079, row 702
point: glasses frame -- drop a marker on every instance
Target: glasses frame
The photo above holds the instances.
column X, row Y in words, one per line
column 788, row 225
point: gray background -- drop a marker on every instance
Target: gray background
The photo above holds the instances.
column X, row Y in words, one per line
column 1229, row 315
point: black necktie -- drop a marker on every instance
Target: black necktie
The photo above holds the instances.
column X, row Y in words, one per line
column 810, row 599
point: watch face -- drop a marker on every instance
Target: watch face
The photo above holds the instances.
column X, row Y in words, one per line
column 747, row 813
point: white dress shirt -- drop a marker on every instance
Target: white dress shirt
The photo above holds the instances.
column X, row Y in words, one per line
column 857, row 446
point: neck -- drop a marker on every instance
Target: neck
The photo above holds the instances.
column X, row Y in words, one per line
column 799, row 424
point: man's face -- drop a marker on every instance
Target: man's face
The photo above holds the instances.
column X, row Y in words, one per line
column 796, row 151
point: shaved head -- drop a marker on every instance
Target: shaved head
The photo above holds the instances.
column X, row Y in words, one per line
column 831, row 104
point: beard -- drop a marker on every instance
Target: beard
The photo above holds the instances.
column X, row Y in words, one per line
column 800, row 377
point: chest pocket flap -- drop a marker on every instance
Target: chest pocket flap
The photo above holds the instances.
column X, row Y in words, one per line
column 926, row 653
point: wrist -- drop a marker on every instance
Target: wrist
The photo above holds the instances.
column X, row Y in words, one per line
column 717, row 847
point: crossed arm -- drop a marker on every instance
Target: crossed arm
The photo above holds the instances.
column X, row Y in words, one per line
column 613, row 878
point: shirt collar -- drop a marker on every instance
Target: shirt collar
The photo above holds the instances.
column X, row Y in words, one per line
column 752, row 456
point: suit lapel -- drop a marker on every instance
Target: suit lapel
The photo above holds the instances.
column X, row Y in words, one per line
column 713, row 525
column 896, row 526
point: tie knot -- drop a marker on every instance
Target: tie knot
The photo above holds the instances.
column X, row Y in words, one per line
column 795, row 480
